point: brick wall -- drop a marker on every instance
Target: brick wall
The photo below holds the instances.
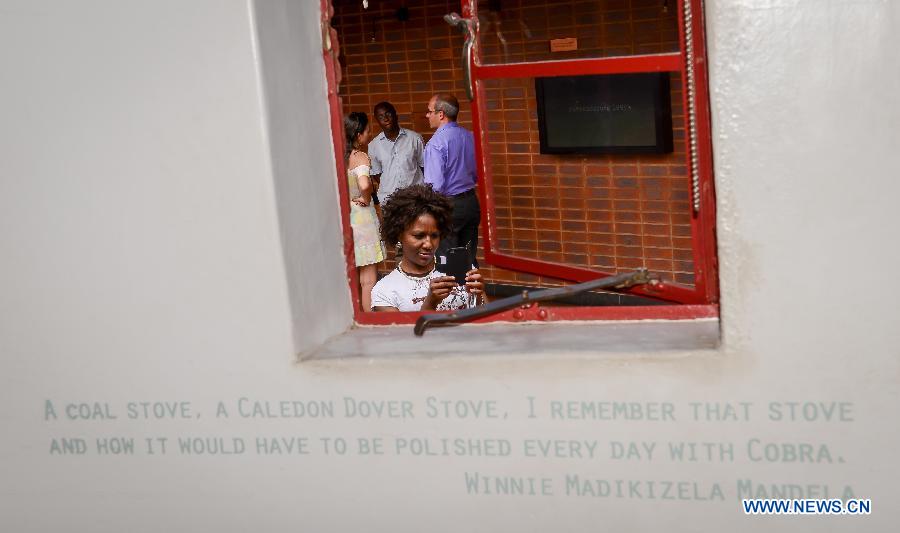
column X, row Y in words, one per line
column 607, row 212
column 521, row 29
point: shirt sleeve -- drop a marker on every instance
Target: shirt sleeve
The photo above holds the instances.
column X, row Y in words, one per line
column 434, row 164
column 420, row 152
column 374, row 159
column 381, row 296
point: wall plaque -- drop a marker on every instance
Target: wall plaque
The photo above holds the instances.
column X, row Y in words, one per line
column 564, row 45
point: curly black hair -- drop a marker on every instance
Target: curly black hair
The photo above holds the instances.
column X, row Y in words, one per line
column 406, row 205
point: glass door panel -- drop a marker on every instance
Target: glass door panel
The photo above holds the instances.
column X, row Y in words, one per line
column 520, row 31
column 582, row 216
column 604, row 213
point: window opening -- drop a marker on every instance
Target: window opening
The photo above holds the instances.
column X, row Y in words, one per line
column 554, row 220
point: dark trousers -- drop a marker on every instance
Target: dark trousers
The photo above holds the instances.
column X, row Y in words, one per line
column 466, row 217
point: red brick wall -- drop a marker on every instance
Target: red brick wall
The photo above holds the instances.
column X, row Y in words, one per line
column 520, row 31
column 607, row 212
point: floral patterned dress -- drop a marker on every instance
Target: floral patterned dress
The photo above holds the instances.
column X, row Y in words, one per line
column 367, row 246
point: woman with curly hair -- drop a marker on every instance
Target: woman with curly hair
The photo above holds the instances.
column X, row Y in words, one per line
column 367, row 246
column 416, row 218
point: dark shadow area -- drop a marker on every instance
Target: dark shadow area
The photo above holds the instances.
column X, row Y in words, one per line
column 591, row 299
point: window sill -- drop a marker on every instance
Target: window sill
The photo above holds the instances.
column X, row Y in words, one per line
column 534, row 338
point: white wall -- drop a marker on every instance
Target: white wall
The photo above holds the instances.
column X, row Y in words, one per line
column 146, row 258
column 290, row 54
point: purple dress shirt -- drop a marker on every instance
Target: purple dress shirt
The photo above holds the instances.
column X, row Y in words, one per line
column 450, row 160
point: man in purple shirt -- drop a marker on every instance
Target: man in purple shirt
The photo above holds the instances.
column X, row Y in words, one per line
column 450, row 169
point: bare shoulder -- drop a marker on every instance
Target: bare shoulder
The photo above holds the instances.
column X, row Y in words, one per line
column 358, row 158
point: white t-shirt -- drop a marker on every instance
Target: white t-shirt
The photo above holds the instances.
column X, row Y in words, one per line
column 407, row 293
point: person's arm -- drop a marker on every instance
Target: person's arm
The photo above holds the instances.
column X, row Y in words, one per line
column 434, row 166
column 419, row 148
column 381, row 298
column 362, row 179
column 374, row 168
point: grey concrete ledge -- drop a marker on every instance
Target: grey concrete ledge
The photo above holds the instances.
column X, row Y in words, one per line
column 504, row 339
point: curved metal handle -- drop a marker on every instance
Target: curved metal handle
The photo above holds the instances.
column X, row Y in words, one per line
column 468, row 28
column 620, row 281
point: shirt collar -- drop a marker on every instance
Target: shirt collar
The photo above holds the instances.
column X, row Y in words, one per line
column 381, row 135
column 451, row 124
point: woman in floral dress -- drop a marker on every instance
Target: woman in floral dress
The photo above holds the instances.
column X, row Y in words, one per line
column 367, row 245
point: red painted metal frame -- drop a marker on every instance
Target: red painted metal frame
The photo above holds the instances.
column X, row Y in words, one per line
column 703, row 228
column 669, row 292
column 671, row 62
column 329, row 58
column 703, row 301
column 705, row 289
column 539, row 313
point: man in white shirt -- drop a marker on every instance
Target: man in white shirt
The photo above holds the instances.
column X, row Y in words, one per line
column 396, row 153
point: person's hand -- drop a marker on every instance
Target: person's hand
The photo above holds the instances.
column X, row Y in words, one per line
column 360, row 202
column 438, row 289
column 474, row 285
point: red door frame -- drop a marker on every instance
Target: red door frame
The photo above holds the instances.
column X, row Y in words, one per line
column 330, row 53
column 698, row 302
